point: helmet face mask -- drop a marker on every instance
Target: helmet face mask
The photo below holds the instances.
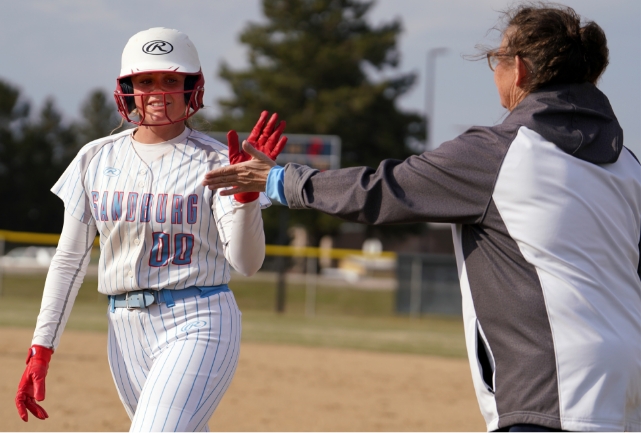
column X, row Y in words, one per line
column 159, row 50
column 126, row 101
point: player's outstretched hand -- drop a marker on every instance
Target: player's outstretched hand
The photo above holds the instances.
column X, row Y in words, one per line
column 32, row 384
column 267, row 139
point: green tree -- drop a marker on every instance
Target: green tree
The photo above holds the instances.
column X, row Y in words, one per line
column 13, row 113
column 33, row 155
column 99, row 117
column 313, row 62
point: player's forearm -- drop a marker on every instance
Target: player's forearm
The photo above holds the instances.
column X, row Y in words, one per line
column 246, row 248
column 66, row 273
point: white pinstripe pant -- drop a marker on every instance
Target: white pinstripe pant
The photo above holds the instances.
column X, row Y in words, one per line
column 172, row 366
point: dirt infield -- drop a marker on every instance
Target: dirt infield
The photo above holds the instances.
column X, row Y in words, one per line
column 276, row 388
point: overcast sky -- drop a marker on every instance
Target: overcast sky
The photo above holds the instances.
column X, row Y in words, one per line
column 65, row 48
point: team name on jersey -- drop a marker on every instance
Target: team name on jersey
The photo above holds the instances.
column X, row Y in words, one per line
column 133, row 207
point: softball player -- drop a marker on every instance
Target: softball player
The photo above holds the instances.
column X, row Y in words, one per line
column 167, row 245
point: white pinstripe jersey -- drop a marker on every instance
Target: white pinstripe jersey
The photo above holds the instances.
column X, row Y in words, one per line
column 156, row 225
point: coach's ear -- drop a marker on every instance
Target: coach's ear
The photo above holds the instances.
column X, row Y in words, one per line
column 522, row 73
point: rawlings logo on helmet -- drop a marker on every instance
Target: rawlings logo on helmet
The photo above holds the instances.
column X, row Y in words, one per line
column 157, row 48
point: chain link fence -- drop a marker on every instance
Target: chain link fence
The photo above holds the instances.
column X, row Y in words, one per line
column 427, row 284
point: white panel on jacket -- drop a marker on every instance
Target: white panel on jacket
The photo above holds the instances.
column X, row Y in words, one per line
column 572, row 220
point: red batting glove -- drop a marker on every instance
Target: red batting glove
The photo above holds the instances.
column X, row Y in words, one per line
column 32, row 384
column 268, row 140
column 264, row 138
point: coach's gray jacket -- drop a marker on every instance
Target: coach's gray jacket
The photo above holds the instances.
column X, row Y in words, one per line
column 546, row 210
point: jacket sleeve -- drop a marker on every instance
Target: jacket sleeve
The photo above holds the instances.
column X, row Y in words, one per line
column 453, row 183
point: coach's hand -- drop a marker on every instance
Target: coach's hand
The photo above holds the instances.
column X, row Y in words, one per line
column 266, row 137
column 32, row 384
column 244, row 177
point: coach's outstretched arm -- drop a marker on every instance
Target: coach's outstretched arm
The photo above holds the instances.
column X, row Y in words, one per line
column 451, row 184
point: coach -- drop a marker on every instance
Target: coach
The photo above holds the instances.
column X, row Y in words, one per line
column 546, row 214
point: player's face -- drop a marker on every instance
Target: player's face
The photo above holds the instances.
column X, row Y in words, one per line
column 158, row 107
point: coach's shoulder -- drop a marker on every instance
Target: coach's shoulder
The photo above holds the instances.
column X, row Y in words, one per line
column 481, row 140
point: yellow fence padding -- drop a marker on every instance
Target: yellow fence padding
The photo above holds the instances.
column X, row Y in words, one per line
column 270, row 250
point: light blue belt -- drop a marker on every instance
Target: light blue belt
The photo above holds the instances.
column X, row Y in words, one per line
column 146, row 297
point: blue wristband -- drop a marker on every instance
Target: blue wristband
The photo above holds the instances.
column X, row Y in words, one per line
column 275, row 188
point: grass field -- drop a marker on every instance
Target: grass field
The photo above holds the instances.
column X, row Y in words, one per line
column 345, row 318
column 295, row 373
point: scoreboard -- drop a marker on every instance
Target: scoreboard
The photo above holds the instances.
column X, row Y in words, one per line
column 322, row 152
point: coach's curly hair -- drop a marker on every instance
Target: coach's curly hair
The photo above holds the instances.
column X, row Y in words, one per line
column 552, row 41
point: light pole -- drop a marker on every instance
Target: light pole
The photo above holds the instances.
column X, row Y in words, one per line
column 429, row 93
